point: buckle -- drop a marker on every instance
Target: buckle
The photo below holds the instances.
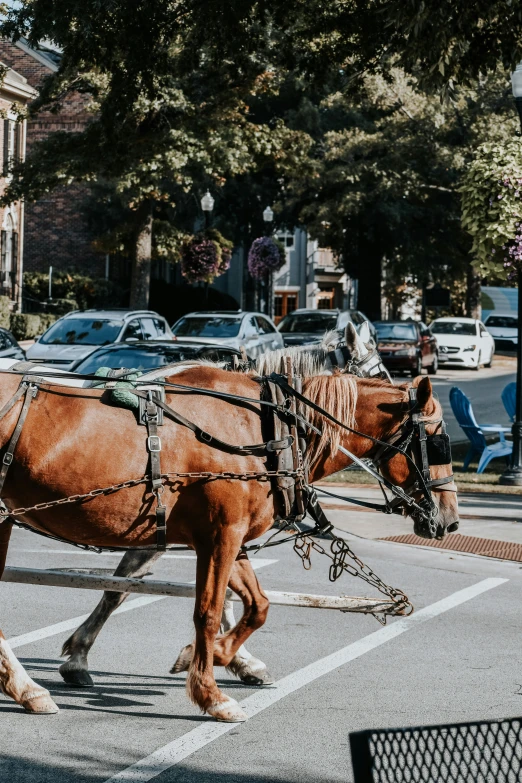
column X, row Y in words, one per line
column 8, row 458
column 154, row 443
column 205, row 436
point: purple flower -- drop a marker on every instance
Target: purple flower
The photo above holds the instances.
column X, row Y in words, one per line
column 264, row 256
column 200, row 260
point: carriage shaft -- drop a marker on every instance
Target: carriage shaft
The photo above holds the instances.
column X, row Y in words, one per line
column 119, row 584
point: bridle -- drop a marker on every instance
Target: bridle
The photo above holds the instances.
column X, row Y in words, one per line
column 370, row 366
column 412, row 442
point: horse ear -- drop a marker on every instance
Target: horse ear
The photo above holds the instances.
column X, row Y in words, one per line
column 424, row 390
column 364, row 332
column 353, row 341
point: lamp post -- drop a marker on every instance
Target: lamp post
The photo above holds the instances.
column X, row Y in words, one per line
column 268, row 217
column 207, row 205
column 513, row 475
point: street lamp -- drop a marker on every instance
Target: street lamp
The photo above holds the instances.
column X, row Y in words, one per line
column 268, row 217
column 207, row 205
column 513, row 475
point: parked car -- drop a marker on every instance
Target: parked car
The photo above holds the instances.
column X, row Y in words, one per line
column 463, row 341
column 147, row 355
column 253, row 331
column 9, row 348
column 503, row 327
column 77, row 334
column 304, row 326
column 407, row 346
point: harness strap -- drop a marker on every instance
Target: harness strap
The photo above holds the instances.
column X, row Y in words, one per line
column 30, row 393
column 212, row 440
column 154, row 449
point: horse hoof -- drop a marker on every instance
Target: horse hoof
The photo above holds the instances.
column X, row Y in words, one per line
column 227, row 711
column 184, row 660
column 79, row 678
column 39, row 704
column 259, row 678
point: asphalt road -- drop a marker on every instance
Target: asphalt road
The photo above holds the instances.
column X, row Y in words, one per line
column 483, row 388
column 457, row 658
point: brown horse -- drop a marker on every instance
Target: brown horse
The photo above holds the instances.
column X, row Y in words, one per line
column 74, row 441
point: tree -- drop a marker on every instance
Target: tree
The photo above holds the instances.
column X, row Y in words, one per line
column 167, row 87
column 382, row 187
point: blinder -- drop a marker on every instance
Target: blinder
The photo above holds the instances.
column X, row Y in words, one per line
column 438, row 449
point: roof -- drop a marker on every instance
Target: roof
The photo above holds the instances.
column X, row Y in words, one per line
column 457, row 319
column 43, row 52
column 114, row 313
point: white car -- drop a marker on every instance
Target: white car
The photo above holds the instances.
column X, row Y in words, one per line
column 463, row 341
column 254, row 332
column 504, row 328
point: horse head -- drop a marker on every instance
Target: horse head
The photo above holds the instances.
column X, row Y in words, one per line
column 401, row 430
column 424, row 468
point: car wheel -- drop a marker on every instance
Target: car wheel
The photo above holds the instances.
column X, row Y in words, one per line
column 477, row 368
column 418, row 368
column 490, row 363
column 432, row 369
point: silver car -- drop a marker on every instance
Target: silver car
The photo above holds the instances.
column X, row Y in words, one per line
column 77, row 334
column 255, row 332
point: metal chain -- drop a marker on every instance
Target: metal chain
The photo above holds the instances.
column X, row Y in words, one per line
column 247, row 475
column 340, row 553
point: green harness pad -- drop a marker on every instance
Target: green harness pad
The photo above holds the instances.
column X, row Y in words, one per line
column 119, row 395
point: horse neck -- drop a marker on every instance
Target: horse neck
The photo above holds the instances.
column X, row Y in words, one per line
column 370, row 406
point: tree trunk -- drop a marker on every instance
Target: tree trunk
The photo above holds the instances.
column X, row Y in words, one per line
column 141, row 266
column 473, row 308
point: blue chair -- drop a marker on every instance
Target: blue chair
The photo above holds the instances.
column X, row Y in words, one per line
column 509, row 394
column 463, row 412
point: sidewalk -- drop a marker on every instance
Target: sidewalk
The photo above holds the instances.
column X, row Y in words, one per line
column 496, row 517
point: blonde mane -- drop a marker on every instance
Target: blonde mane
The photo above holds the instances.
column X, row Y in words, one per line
column 307, row 360
column 338, row 395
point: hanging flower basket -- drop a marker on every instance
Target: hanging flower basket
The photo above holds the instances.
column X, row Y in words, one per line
column 205, row 256
column 265, row 255
column 200, row 260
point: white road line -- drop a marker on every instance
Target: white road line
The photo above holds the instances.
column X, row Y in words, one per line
column 169, row 755
column 74, row 622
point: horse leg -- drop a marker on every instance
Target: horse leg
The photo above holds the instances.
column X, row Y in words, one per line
column 214, row 566
column 75, row 671
column 229, row 650
column 14, row 680
column 244, row 665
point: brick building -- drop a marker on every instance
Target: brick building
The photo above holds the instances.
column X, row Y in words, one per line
column 15, row 92
column 56, row 233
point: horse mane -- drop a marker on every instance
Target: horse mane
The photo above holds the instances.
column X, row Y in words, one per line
column 337, row 394
column 306, row 360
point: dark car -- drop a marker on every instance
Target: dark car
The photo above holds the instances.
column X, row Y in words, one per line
column 151, row 354
column 408, row 346
column 9, row 348
column 302, row 327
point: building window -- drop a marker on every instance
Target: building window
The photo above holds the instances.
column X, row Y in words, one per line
column 283, row 304
column 8, row 258
column 11, row 143
column 325, row 299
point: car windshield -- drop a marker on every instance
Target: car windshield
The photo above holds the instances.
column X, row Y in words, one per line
column 396, row 331
column 454, row 327
column 207, row 327
column 134, row 358
column 308, row 322
column 82, row 331
column 507, row 321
